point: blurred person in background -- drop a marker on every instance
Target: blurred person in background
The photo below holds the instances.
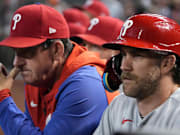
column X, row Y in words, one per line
column 161, row 7
column 94, row 8
column 115, row 8
column 175, row 10
column 78, row 23
column 101, row 30
column 59, row 5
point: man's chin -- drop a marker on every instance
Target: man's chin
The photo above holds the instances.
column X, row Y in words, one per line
column 129, row 92
column 28, row 81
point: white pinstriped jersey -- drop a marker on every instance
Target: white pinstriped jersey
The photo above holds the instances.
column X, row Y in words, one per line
column 123, row 115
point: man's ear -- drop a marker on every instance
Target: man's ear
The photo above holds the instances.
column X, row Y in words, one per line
column 58, row 50
column 168, row 63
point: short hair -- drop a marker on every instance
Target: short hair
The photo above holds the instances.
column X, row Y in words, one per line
column 68, row 46
column 176, row 71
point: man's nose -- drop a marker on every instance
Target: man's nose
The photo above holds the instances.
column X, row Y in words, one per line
column 126, row 63
column 18, row 61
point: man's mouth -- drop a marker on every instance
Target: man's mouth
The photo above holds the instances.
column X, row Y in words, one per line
column 127, row 80
column 127, row 76
column 24, row 71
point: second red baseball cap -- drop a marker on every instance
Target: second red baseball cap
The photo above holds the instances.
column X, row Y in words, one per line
column 101, row 30
column 75, row 29
column 96, row 8
column 33, row 24
column 73, row 15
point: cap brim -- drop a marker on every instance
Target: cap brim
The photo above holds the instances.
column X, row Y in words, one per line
column 112, row 45
column 21, row 42
column 116, row 45
column 92, row 39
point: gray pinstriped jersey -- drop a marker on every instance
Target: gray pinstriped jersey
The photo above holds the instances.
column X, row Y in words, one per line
column 123, row 115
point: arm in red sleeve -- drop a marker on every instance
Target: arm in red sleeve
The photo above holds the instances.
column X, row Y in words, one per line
column 4, row 94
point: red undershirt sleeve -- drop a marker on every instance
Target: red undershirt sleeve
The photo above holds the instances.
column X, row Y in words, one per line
column 4, row 94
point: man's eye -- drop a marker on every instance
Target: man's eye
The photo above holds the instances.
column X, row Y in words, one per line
column 122, row 54
column 137, row 55
column 26, row 53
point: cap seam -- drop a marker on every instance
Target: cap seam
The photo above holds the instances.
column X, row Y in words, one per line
column 41, row 10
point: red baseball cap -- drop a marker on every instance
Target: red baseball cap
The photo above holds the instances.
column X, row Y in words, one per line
column 73, row 15
column 149, row 31
column 102, row 29
column 33, row 24
column 75, row 29
column 96, row 8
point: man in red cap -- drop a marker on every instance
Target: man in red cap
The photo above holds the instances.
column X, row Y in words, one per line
column 77, row 21
column 94, row 8
column 101, row 30
column 64, row 94
column 149, row 45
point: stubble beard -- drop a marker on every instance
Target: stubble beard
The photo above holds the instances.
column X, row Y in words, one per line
column 141, row 88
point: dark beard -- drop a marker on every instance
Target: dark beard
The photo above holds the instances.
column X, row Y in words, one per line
column 148, row 88
column 144, row 88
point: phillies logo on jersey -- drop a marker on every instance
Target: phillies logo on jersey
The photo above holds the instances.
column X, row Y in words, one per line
column 128, row 24
column 126, row 120
column 16, row 19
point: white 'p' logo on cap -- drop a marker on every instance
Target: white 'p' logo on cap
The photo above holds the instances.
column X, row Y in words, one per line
column 16, row 19
column 93, row 22
column 126, row 26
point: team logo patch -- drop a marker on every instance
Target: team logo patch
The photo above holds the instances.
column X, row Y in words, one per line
column 33, row 104
column 93, row 22
column 16, row 19
column 128, row 24
column 48, row 118
column 52, row 30
column 126, row 120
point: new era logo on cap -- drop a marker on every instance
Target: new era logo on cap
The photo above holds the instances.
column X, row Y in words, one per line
column 52, row 30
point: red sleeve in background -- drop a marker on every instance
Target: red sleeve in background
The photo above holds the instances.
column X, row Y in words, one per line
column 4, row 94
